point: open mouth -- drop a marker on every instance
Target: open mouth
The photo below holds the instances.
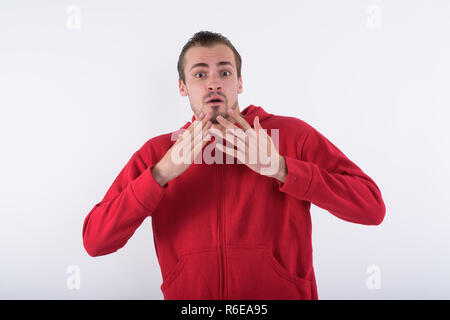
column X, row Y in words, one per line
column 215, row 100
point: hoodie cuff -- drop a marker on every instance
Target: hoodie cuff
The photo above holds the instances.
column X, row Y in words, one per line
column 298, row 179
column 147, row 190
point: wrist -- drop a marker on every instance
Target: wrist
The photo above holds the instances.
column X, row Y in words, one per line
column 159, row 175
column 282, row 170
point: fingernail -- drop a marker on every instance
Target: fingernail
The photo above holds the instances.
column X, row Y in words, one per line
column 219, row 118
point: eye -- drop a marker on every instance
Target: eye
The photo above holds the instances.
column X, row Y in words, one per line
column 228, row 72
column 198, row 74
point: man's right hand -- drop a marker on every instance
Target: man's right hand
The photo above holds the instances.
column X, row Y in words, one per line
column 166, row 170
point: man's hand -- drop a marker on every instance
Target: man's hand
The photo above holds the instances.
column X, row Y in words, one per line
column 167, row 169
column 254, row 147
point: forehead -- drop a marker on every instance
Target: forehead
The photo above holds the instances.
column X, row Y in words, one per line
column 208, row 55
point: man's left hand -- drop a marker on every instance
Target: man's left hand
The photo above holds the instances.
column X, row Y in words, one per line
column 250, row 144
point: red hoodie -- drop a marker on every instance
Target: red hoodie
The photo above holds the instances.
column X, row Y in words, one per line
column 222, row 231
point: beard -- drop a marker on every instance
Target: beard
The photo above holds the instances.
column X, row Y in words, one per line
column 216, row 112
column 224, row 113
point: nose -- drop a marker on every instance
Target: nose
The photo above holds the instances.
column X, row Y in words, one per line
column 214, row 88
column 214, row 84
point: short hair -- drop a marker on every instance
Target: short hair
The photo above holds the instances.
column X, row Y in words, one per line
column 207, row 39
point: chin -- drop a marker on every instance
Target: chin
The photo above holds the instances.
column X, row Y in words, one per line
column 218, row 112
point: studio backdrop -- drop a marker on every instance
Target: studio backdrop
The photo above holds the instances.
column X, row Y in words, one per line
column 84, row 84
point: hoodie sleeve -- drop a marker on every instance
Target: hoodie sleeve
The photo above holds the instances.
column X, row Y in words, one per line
column 325, row 177
column 132, row 197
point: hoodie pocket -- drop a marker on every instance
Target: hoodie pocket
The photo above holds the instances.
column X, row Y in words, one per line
column 173, row 274
column 254, row 273
column 195, row 276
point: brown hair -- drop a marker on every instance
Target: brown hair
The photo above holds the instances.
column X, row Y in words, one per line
column 207, row 39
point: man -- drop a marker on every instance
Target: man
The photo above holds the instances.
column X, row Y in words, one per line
column 224, row 230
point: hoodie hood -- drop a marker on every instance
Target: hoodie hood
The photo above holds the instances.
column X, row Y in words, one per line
column 248, row 113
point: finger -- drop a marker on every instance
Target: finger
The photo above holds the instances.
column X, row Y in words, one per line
column 266, row 149
column 194, row 134
column 207, row 117
column 183, row 135
column 247, row 129
column 237, row 134
column 206, row 139
column 236, row 131
column 232, row 152
column 193, row 129
column 188, row 140
column 198, row 128
column 256, row 124
column 196, row 148
column 199, row 143
column 190, row 134
column 201, row 116
column 259, row 124
column 179, row 151
column 236, row 139
column 202, row 138
column 207, row 126
column 177, row 135
column 202, row 119
column 251, row 132
column 236, row 115
column 227, row 124
column 263, row 137
column 200, row 135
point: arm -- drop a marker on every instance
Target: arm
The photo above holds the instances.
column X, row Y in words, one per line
column 327, row 178
column 132, row 197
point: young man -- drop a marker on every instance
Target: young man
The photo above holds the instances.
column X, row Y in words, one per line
column 239, row 230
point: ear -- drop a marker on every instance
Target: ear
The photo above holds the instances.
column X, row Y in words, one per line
column 240, row 89
column 182, row 88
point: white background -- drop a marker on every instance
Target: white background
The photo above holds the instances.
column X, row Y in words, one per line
column 76, row 103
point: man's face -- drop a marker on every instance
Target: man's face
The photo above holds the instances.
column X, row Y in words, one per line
column 209, row 72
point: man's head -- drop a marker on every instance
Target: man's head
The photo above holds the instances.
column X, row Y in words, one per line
column 209, row 66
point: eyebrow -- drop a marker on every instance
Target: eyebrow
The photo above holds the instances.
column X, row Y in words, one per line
column 202, row 64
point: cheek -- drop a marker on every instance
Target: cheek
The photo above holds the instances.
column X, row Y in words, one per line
column 233, row 88
column 196, row 93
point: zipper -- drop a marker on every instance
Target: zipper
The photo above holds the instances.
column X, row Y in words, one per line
column 221, row 234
